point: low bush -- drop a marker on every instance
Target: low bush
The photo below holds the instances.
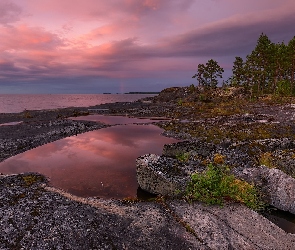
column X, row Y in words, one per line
column 216, row 185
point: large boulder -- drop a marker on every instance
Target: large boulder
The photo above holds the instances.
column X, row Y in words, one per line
column 162, row 175
column 277, row 187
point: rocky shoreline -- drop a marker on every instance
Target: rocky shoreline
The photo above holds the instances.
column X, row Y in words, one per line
column 37, row 216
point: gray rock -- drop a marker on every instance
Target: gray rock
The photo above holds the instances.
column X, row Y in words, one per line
column 161, row 175
column 193, row 147
column 277, row 187
column 40, row 217
column 34, row 215
column 233, row 226
column 165, row 175
column 236, row 154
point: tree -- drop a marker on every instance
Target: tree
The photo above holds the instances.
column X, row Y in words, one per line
column 199, row 75
column 258, row 63
column 279, row 69
column 207, row 74
column 238, row 77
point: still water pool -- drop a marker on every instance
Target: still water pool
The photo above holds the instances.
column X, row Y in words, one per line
column 97, row 163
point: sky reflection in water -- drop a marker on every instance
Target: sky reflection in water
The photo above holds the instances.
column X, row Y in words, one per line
column 98, row 163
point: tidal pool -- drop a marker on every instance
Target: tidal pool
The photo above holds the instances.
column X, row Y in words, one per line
column 282, row 219
column 99, row 163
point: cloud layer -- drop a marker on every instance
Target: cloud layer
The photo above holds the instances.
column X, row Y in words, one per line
column 97, row 45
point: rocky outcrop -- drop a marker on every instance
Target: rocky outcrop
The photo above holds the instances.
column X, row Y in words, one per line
column 236, row 154
column 168, row 176
column 161, row 175
column 199, row 93
column 277, row 187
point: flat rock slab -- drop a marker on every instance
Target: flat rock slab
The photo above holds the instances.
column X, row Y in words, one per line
column 33, row 217
column 36, row 216
column 232, row 227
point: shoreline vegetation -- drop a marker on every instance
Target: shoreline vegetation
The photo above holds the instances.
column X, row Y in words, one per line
column 268, row 69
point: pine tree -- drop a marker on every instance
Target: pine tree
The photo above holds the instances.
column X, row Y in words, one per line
column 238, row 77
column 199, row 75
column 279, row 69
column 258, row 63
column 207, row 74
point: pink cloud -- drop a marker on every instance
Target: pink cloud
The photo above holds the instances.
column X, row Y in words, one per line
column 131, row 38
column 9, row 12
column 23, row 37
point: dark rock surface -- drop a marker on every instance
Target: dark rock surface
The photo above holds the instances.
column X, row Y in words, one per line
column 31, row 217
column 36, row 216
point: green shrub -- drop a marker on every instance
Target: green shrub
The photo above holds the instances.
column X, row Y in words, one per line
column 283, row 88
column 216, row 185
column 27, row 114
column 179, row 102
column 184, row 157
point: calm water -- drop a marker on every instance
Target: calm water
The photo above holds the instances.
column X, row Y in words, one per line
column 17, row 103
column 97, row 163
column 282, row 219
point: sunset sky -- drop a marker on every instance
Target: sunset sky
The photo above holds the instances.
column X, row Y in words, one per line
column 96, row 46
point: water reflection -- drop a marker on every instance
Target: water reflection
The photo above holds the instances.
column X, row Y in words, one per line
column 98, row 163
column 10, row 123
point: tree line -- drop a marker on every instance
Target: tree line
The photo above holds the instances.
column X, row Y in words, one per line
column 268, row 69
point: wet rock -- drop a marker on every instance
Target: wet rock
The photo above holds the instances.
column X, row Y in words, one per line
column 161, row 175
column 277, row 187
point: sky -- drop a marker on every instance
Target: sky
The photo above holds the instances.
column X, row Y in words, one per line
column 118, row 46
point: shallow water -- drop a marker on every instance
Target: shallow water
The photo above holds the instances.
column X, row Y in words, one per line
column 97, row 163
column 282, row 219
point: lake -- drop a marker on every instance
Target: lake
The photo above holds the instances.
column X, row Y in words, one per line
column 19, row 102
